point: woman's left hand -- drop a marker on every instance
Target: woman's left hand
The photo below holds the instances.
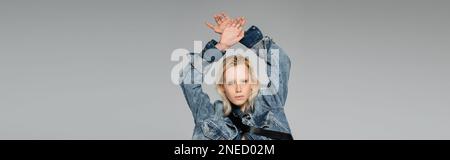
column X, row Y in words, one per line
column 231, row 35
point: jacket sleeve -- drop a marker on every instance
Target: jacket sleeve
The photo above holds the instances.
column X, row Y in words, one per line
column 192, row 77
column 278, row 66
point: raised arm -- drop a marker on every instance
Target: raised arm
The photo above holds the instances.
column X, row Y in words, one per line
column 191, row 85
column 193, row 74
column 278, row 65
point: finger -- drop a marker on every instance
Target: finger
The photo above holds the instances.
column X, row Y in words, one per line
column 220, row 19
column 234, row 24
column 209, row 25
column 226, row 19
column 229, row 24
column 222, row 15
column 241, row 34
column 216, row 18
column 242, row 21
column 225, row 15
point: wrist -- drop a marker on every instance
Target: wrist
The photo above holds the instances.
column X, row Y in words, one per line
column 252, row 36
column 222, row 47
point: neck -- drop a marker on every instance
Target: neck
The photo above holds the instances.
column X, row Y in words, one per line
column 241, row 107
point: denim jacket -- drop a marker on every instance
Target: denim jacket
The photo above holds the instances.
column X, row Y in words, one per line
column 268, row 113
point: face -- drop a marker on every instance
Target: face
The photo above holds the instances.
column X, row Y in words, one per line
column 236, row 86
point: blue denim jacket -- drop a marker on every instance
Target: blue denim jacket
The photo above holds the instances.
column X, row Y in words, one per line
column 268, row 113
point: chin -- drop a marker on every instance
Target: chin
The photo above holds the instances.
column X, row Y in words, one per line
column 238, row 103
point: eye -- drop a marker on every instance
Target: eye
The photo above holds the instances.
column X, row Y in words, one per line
column 244, row 81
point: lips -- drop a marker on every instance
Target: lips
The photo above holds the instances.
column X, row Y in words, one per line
column 239, row 97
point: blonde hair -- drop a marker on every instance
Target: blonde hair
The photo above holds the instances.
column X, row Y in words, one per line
column 233, row 61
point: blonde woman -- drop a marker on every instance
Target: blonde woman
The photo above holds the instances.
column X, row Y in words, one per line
column 245, row 111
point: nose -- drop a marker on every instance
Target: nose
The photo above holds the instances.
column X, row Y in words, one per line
column 238, row 88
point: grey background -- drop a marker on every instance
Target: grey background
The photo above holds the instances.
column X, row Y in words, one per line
column 101, row 69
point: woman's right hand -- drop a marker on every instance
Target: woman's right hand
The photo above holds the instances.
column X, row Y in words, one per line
column 222, row 21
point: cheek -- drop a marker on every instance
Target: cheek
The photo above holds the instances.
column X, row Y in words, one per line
column 247, row 89
column 228, row 90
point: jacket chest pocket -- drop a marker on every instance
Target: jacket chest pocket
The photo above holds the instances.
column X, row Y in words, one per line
column 271, row 122
column 218, row 130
